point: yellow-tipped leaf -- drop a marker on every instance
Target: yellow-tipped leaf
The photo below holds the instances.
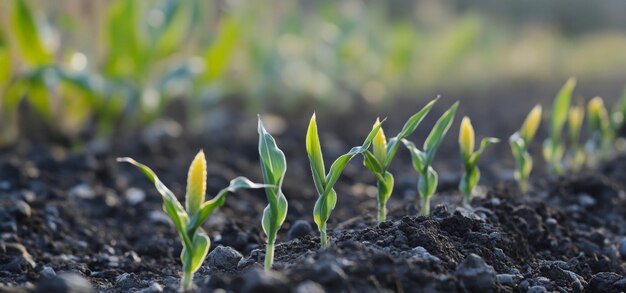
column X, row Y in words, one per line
column 196, row 183
column 529, row 128
column 466, row 137
column 380, row 144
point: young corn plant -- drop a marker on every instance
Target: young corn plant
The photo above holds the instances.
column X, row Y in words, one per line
column 520, row 141
column 273, row 167
column 554, row 146
column 471, row 174
column 576, row 155
column 602, row 131
column 422, row 159
column 188, row 219
column 379, row 161
column 324, row 182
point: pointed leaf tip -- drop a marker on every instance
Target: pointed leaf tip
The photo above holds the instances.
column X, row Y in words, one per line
column 196, row 183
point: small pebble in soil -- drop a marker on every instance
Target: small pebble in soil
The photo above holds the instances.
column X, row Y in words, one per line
column 127, row 281
column 134, row 196
column 257, row 280
column 47, row 272
column 476, row 275
column 21, row 210
column 154, row 288
column 537, row 289
column 622, row 247
column 329, row 273
column 309, row 287
column 224, row 258
column 159, row 218
column 507, row 279
column 83, row 191
column 8, row 226
column 607, row 282
column 64, row 282
column 299, row 229
column 537, row 284
column 586, row 200
column 422, row 253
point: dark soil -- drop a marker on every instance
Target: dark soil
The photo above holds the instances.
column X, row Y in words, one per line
column 77, row 220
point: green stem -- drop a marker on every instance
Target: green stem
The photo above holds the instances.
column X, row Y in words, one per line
column 269, row 256
column 425, row 206
column 323, row 237
column 186, row 281
column 382, row 212
column 467, row 199
column 523, row 185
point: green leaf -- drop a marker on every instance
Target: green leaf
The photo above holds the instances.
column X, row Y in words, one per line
column 323, row 207
column 484, row 143
column 560, row 108
column 222, row 49
column 24, row 29
column 209, row 206
column 438, row 132
column 371, row 163
column 427, row 183
column 193, row 257
column 385, row 187
column 469, row 180
column 418, row 158
column 408, row 129
column 314, row 151
column 171, row 205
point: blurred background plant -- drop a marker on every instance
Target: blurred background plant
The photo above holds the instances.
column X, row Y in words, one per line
column 91, row 67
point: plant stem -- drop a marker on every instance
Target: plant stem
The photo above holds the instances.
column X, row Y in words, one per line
column 186, row 281
column 382, row 212
column 323, row 237
column 425, row 206
column 269, row 256
column 467, row 199
column 523, row 186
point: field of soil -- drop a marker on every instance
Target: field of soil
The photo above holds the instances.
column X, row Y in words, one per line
column 77, row 221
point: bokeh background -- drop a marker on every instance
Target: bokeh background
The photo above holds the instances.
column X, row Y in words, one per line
column 92, row 68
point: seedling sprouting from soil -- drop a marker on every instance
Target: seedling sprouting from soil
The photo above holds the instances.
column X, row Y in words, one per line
column 188, row 219
column 273, row 166
column 471, row 174
column 554, row 146
column 520, row 141
column 575, row 154
column 379, row 161
column 602, row 134
column 422, row 159
column 324, row 182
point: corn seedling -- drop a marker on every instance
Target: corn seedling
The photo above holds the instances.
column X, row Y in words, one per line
column 601, row 130
column 422, row 159
column 576, row 155
column 188, row 219
column 520, row 141
column 470, row 158
column 273, row 166
column 553, row 146
column 324, row 182
column 379, row 161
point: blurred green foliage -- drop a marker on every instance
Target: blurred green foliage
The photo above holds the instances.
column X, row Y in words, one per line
column 104, row 63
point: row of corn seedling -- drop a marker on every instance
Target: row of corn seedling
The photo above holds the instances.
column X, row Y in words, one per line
column 188, row 219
